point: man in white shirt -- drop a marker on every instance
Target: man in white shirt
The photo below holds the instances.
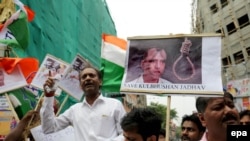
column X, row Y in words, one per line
column 97, row 118
column 153, row 66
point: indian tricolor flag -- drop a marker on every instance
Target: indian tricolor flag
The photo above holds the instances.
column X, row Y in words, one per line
column 112, row 62
column 14, row 32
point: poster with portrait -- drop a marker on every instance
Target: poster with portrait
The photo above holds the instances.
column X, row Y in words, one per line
column 11, row 81
column 70, row 82
column 239, row 88
column 8, row 120
column 51, row 64
column 175, row 64
column 242, row 103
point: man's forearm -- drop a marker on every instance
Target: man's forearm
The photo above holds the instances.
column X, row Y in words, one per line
column 16, row 133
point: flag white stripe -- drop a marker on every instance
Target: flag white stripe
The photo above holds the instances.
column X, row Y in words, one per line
column 113, row 54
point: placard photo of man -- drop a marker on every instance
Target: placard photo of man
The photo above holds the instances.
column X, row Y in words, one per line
column 70, row 82
column 153, row 65
column 168, row 61
column 51, row 66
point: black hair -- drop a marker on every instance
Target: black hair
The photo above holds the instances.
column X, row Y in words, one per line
column 201, row 102
column 195, row 119
column 163, row 132
column 157, row 49
column 144, row 121
column 99, row 74
column 244, row 113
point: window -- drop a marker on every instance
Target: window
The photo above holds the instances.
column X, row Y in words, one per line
column 220, row 31
column 243, row 21
column 223, row 3
column 226, row 61
column 214, row 8
column 238, row 57
column 248, row 51
column 231, row 28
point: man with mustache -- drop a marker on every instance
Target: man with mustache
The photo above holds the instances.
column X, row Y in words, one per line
column 215, row 113
column 97, row 118
column 191, row 128
column 153, row 66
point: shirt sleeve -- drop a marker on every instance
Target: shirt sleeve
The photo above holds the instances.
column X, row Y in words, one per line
column 49, row 122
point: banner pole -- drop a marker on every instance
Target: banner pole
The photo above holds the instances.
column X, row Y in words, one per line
column 37, row 108
column 168, row 119
column 11, row 107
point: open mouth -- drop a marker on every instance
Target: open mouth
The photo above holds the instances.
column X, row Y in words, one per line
column 87, row 85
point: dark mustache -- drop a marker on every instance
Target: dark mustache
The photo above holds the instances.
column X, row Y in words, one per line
column 185, row 137
column 229, row 117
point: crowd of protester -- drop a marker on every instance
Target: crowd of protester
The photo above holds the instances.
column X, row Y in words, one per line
column 99, row 118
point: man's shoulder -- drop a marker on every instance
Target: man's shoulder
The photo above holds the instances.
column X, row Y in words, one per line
column 204, row 137
column 136, row 80
column 133, row 81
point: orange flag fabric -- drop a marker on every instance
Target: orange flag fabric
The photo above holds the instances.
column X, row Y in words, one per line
column 28, row 66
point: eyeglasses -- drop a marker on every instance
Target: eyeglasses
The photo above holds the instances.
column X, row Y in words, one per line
column 245, row 123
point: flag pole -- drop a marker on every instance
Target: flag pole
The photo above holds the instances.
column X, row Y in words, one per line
column 168, row 119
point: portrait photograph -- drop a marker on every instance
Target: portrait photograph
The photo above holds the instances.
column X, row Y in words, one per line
column 70, row 82
column 171, row 64
column 11, row 81
column 51, row 64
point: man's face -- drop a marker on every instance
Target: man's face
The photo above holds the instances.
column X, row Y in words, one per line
column 190, row 131
column 76, row 65
column 89, row 81
column 245, row 120
column 49, row 63
column 219, row 113
column 154, row 64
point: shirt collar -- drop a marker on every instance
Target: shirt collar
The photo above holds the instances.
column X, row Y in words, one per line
column 204, row 137
column 99, row 99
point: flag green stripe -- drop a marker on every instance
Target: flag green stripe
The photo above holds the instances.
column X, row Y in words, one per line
column 19, row 28
column 112, row 76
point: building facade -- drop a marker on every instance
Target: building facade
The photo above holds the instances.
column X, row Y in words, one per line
column 230, row 18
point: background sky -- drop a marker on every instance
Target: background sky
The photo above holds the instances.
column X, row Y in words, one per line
column 155, row 17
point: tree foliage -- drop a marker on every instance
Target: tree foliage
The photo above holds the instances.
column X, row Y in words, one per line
column 161, row 109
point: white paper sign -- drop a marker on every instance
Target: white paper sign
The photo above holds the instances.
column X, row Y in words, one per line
column 66, row 134
column 11, row 81
column 51, row 64
column 183, row 64
column 70, row 82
